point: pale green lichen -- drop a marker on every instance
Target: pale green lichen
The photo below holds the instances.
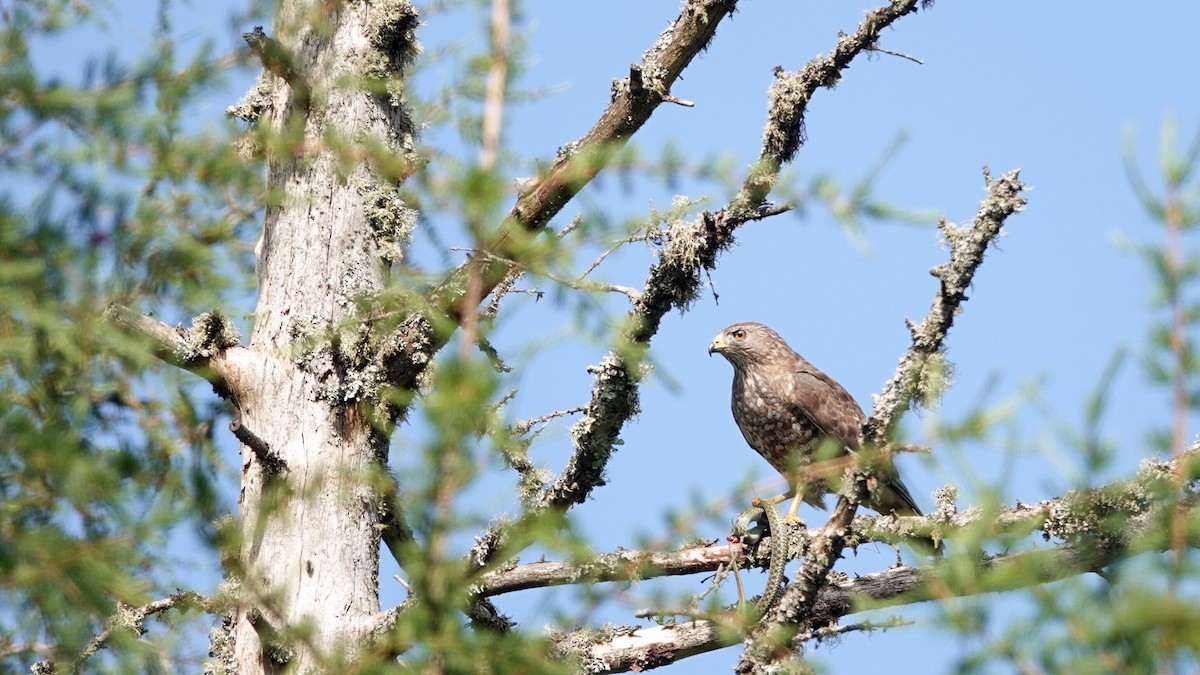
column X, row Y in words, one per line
column 209, row 334
column 391, row 220
column 391, row 29
column 1104, row 513
column 221, row 657
column 576, row 646
column 255, row 102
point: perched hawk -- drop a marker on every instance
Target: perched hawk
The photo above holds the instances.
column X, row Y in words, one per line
column 785, row 407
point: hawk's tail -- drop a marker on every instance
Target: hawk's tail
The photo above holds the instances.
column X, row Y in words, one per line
column 890, row 496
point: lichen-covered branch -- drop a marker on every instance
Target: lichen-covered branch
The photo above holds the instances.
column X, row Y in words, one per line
column 192, row 349
column 1098, row 527
column 922, row 370
column 967, row 245
column 1079, row 513
column 789, row 97
column 129, row 619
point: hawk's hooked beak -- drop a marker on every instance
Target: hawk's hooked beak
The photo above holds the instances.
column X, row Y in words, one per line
column 716, row 345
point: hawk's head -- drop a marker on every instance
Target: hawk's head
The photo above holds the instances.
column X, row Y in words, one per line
column 747, row 343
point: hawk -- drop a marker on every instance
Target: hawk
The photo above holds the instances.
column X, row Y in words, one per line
column 787, row 408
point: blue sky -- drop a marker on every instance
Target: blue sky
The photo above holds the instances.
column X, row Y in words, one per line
column 1051, row 88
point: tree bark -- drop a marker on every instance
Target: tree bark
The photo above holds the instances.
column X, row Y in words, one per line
column 309, row 542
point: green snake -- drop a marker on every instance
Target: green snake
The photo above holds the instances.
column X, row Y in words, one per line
column 778, row 553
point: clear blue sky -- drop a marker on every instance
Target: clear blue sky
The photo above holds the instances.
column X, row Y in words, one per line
column 1050, row 88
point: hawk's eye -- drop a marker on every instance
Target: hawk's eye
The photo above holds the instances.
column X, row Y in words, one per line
column 739, row 334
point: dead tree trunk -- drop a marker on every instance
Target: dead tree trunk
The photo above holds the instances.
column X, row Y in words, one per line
column 314, row 433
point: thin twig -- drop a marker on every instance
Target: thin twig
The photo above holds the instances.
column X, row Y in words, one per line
column 524, row 426
column 641, row 236
column 826, row 632
column 569, row 227
column 506, row 286
column 578, row 285
column 900, row 54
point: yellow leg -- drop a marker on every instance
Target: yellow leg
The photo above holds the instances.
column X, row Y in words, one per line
column 779, row 499
column 796, row 498
column 791, row 514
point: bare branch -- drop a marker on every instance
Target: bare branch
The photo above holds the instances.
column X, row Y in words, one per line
column 640, row 649
column 493, row 108
column 620, row 566
column 167, row 343
column 493, row 114
column 272, row 464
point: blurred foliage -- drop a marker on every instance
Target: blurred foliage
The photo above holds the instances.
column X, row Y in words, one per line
column 111, row 193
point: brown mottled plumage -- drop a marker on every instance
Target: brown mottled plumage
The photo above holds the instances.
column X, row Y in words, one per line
column 785, row 407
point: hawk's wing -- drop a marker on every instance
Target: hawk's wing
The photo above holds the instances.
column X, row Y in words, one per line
column 828, row 405
column 834, row 411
